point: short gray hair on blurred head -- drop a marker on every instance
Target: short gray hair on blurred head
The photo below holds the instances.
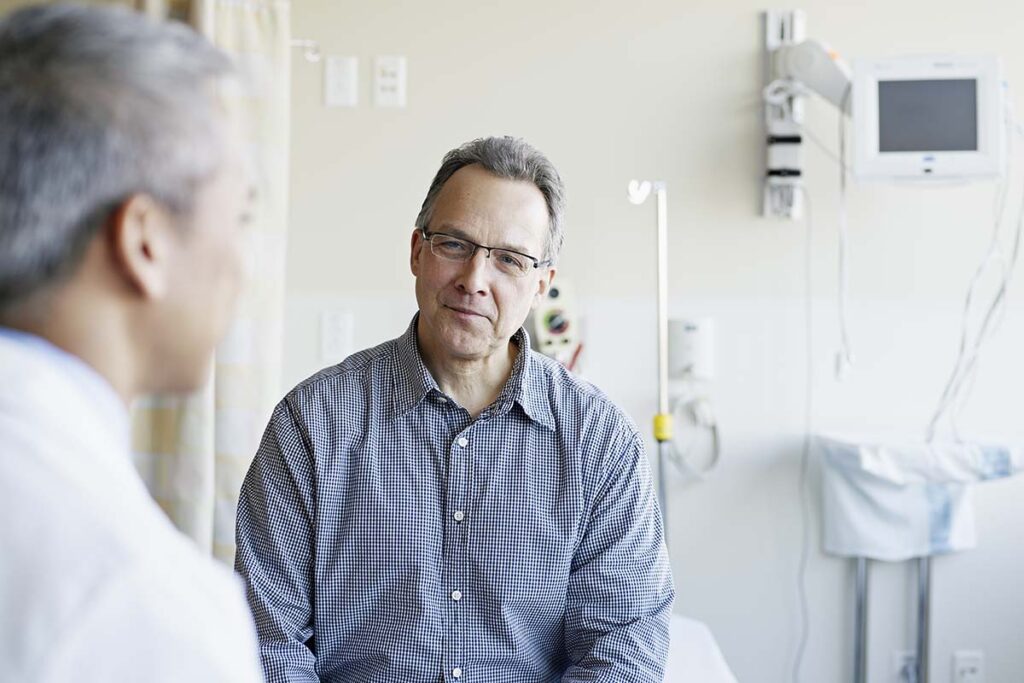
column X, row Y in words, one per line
column 506, row 157
column 96, row 104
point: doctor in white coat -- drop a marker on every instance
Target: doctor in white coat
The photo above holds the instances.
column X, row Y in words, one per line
column 122, row 199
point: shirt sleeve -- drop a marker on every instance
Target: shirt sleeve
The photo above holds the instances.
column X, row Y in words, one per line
column 620, row 592
column 275, row 538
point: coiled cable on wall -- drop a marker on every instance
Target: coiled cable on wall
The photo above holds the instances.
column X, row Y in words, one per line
column 694, row 410
column 958, row 387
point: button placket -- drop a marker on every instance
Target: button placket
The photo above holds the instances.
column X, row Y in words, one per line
column 458, row 469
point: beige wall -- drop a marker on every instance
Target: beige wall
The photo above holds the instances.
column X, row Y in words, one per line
column 659, row 89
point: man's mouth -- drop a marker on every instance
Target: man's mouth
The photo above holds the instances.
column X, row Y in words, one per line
column 465, row 311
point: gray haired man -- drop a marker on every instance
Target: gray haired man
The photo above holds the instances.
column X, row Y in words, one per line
column 450, row 505
column 121, row 203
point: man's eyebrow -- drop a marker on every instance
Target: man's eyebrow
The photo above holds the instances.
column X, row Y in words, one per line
column 454, row 231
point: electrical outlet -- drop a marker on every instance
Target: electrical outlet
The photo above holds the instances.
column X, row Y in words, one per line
column 389, row 81
column 968, row 666
column 904, row 666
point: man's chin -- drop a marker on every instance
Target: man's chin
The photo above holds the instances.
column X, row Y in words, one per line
column 463, row 349
column 458, row 342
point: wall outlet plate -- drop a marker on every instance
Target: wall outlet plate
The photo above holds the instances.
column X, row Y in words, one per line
column 341, row 81
column 968, row 666
column 904, row 666
column 389, row 81
column 337, row 334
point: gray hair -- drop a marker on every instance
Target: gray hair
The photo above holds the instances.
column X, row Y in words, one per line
column 96, row 104
column 506, row 157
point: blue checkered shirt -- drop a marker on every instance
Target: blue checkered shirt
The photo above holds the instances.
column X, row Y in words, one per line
column 386, row 535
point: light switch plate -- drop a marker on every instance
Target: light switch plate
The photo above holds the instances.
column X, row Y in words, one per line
column 337, row 336
column 341, row 81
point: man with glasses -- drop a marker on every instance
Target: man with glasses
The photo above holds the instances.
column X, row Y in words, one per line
column 450, row 505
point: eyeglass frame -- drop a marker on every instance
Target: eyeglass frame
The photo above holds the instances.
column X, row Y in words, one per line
column 427, row 234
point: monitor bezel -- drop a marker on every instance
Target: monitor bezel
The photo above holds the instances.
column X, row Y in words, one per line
column 988, row 161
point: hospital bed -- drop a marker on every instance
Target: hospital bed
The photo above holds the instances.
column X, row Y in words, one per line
column 694, row 656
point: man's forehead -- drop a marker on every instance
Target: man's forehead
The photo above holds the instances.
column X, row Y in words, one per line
column 475, row 203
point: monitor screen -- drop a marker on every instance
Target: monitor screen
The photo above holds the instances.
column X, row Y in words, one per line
column 939, row 115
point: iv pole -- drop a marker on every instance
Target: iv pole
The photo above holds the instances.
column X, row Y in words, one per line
column 638, row 193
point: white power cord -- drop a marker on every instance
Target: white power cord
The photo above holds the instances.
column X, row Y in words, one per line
column 806, row 132
column 961, row 380
column 690, row 407
column 805, row 454
column 844, row 357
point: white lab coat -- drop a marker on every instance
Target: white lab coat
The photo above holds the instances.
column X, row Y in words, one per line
column 95, row 583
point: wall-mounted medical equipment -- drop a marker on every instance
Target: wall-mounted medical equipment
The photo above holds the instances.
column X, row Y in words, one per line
column 685, row 355
column 928, row 117
column 555, row 325
column 914, row 118
column 638, row 192
column 783, row 115
column 695, row 446
column 691, row 348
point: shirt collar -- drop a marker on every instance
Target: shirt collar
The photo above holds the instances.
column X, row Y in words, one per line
column 412, row 380
column 101, row 395
column 524, row 387
column 531, row 392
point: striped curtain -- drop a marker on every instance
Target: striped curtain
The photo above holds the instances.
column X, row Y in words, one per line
column 193, row 452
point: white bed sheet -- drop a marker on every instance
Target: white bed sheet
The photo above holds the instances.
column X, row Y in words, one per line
column 694, row 656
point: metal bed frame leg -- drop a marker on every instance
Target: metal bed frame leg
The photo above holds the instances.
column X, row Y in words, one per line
column 860, row 647
column 924, row 616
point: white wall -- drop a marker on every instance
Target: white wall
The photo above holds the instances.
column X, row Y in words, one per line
column 660, row 89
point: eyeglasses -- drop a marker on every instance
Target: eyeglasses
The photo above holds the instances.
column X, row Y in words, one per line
column 453, row 248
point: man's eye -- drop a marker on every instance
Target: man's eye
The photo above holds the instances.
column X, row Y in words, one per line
column 453, row 245
column 511, row 260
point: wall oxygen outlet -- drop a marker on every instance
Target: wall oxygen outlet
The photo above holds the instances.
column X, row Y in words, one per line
column 968, row 666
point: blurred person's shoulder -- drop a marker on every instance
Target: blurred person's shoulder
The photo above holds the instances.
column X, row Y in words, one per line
column 94, row 589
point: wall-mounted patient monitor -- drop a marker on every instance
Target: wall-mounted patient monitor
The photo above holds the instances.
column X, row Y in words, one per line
column 928, row 117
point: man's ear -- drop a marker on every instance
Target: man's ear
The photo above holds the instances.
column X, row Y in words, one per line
column 141, row 238
column 416, row 250
column 542, row 287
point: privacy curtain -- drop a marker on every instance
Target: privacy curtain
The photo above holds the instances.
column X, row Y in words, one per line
column 193, row 452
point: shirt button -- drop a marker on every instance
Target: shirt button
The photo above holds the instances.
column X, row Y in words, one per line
column 459, row 516
column 442, row 399
column 456, row 672
column 463, row 441
column 456, row 595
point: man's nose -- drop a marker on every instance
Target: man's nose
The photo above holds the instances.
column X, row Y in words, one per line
column 474, row 273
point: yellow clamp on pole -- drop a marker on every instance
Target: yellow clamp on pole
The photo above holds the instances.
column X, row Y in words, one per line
column 663, row 427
